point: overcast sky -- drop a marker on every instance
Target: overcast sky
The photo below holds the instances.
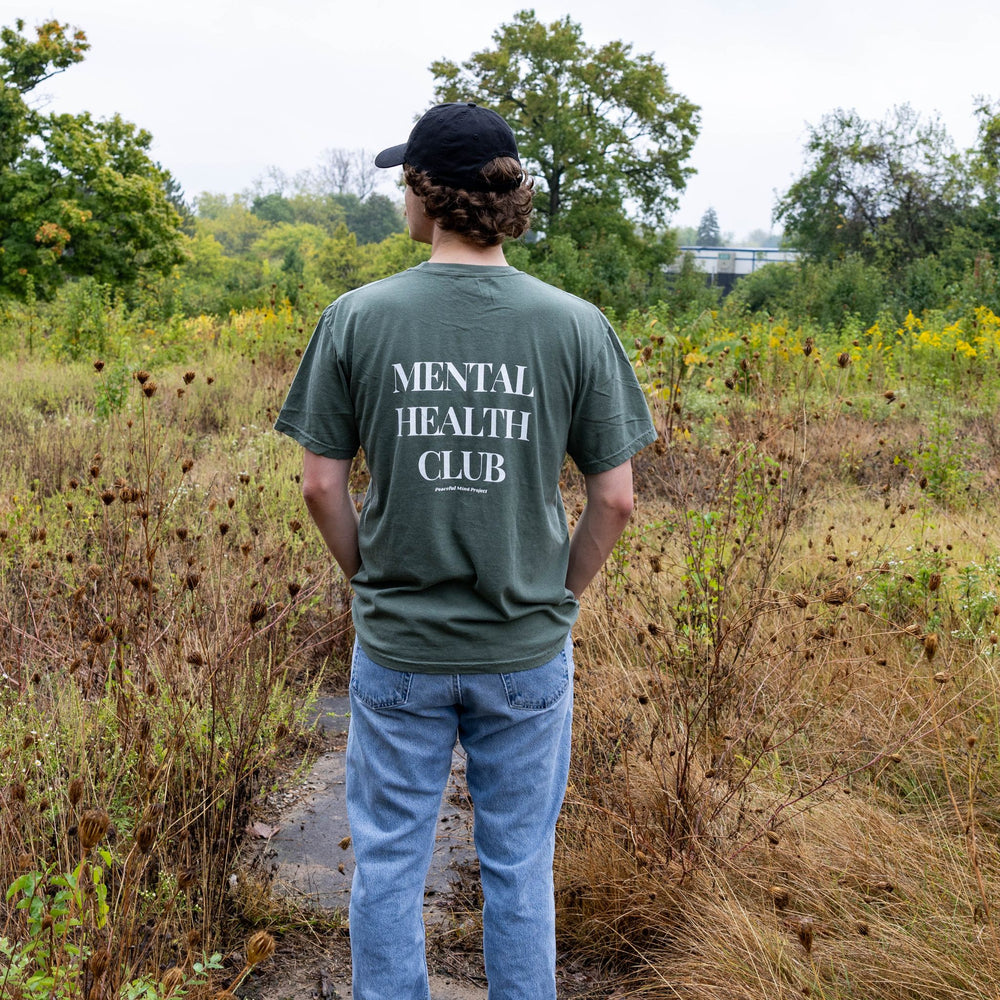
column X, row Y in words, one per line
column 231, row 87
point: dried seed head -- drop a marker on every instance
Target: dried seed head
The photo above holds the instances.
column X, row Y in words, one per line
column 930, row 645
column 100, row 634
column 836, row 595
column 142, row 376
column 933, row 582
column 172, row 978
column 186, row 878
column 98, row 366
column 806, row 934
column 195, row 658
column 99, row 962
column 260, row 947
column 75, row 791
column 863, row 928
column 145, row 837
column 843, row 359
column 799, row 600
column 192, row 579
column 941, row 677
column 293, row 588
column 187, row 465
column 773, row 837
column 188, row 378
column 181, row 533
column 92, row 827
column 258, row 611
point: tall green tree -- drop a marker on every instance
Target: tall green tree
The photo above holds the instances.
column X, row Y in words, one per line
column 77, row 196
column 889, row 191
column 599, row 128
column 709, row 234
column 24, row 64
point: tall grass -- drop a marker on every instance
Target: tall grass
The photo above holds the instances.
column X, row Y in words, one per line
column 164, row 612
column 787, row 769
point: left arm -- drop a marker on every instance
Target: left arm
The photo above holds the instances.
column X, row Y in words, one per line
column 326, row 489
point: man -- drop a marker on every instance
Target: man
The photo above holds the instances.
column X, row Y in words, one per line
column 466, row 382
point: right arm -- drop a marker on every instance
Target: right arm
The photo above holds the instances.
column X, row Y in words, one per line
column 326, row 488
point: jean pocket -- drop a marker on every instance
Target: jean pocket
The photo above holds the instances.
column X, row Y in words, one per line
column 541, row 687
column 378, row 687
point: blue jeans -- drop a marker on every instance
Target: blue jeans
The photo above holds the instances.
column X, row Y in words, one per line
column 515, row 729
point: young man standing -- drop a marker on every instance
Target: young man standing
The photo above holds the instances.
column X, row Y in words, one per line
column 466, row 382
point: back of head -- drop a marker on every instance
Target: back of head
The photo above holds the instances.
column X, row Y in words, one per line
column 462, row 161
column 484, row 217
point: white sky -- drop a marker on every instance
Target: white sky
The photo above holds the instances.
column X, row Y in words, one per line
column 231, row 87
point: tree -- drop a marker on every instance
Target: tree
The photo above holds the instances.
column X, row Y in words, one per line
column 373, row 219
column 23, row 66
column 762, row 238
column 347, row 171
column 599, row 128
column 889, row 191
column 709, row 234
column 77, row 196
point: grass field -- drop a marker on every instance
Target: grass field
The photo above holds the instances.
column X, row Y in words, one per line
column 786, row 777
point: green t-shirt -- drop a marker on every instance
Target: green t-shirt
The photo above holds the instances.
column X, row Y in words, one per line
column 466, row 386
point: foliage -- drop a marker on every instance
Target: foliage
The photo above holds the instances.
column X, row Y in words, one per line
column 786, row 681
column 709, row 234
column 108, row 527
column 830, row 293
column 25, row 64
column 598, row 127
column 895, row 193
column 78, row 197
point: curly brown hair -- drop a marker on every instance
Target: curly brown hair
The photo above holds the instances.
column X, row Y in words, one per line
column 486, row 218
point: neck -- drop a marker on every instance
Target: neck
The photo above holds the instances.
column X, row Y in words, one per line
column 450, row 248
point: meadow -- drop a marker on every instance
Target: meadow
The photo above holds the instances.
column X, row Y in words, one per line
column 786, row 778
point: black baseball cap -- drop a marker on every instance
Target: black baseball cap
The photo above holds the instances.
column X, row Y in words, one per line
column 452, row 143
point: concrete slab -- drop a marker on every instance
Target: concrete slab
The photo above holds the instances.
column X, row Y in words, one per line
column 311, row 848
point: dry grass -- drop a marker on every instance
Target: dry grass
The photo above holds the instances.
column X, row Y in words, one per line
column 787, row 772
column 786, row 776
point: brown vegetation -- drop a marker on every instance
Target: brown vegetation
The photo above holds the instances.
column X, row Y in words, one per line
column 785, row 780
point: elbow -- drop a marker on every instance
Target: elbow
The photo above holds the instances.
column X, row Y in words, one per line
column 623, row 507
column 311, row 491
column 617, row 507
column 315, row 491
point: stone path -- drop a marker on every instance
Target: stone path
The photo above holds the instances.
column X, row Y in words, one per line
column 314, row 863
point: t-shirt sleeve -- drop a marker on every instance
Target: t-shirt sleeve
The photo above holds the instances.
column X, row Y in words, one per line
column 318, row 411
column 611, row 420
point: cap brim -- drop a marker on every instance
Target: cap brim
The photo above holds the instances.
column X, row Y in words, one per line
column 391, row 157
